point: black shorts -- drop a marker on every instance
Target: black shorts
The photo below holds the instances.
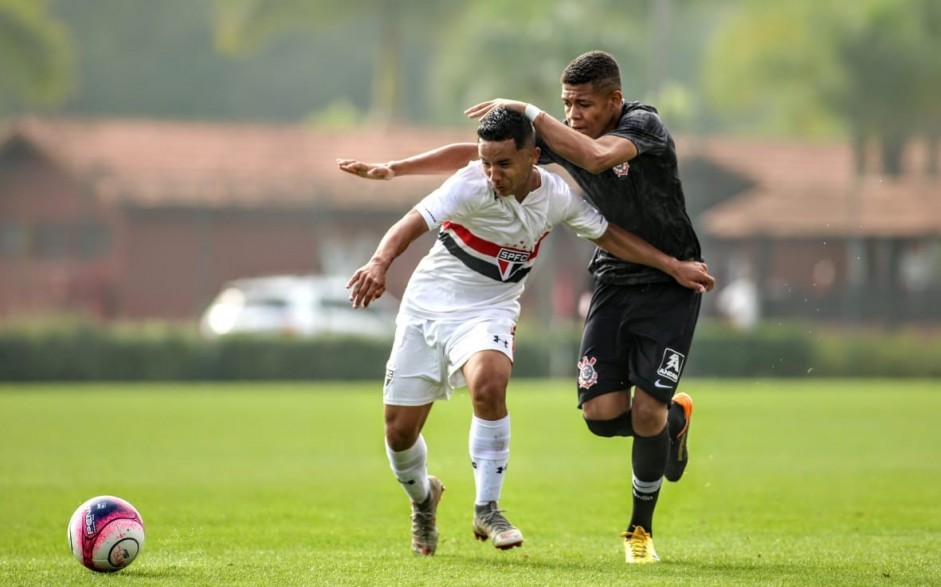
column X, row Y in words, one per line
column 636, row 335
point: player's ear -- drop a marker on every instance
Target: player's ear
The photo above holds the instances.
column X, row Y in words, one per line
column 535, row 154
column 616, row 98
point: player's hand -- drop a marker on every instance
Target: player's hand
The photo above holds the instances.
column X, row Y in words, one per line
column 695, row 275
column 367, row 284
column 480, row 110
column 366, row 170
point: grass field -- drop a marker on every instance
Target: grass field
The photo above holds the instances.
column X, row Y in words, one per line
column 790, row 483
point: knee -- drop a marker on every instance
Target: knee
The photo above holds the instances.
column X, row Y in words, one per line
column 649, row 417
column 490, row 394
column 400, row 439
column 619, row 426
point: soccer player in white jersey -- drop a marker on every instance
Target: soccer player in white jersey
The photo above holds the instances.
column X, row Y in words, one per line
column 458, row 315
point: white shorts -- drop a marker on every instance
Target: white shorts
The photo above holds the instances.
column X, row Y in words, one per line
column 428, row 355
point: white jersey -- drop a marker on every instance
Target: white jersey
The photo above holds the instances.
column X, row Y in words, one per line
column 488, row 244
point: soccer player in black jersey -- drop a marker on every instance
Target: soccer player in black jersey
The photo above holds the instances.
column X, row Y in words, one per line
column 640, row 322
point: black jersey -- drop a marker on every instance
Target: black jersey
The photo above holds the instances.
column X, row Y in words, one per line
column 643, row 196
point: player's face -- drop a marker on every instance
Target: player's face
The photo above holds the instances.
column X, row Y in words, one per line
column 509, row 169
column 589, row 112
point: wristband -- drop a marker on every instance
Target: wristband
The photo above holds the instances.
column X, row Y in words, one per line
column 532, row 112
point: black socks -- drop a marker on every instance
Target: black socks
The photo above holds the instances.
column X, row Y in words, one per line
column 649, row 462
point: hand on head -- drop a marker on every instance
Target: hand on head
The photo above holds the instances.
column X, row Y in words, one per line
column 480, row 110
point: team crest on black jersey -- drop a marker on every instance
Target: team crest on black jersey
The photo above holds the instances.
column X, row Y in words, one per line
column 587, row 376
column 509, row 260
column 622, row 169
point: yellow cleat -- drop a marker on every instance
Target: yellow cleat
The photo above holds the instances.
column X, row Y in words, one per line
column 638, row 547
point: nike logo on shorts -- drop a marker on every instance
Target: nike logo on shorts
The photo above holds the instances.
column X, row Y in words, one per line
column 662, row 386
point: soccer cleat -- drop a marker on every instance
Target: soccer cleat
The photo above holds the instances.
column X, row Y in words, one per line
column 679, row 455
column 489, row 523
column 424, row 529
column 638, row 547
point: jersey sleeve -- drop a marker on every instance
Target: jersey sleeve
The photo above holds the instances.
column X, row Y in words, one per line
column 580, row 216
column 456, row 197
column 644, row 129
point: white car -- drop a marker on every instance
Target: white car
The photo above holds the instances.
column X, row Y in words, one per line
column 295, row 305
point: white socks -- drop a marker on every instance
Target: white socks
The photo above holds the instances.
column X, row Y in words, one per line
column 489, row 445
column 410, row 468
column 489, row 451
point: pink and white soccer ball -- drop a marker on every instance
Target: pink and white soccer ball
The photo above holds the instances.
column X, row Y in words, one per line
column 106, row 533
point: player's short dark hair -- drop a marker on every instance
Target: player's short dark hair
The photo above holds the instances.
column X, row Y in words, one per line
column 596, row 68
column 503, row 124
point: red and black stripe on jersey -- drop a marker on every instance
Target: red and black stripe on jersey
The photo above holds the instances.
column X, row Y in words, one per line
column 500, row 263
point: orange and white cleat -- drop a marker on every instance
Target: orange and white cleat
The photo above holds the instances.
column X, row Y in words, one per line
column 679, row 454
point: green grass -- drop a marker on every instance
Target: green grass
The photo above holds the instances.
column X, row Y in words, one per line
column 791, row 483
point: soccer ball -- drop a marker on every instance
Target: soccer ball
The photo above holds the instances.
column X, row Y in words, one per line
column 106, row 533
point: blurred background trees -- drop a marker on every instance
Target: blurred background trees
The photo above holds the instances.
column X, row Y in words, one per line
column 35, row 56
column 863, row 70
column 866, row 69
column 247, row 25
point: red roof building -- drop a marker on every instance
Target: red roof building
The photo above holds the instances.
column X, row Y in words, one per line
column 822, row 241
column 147, row 219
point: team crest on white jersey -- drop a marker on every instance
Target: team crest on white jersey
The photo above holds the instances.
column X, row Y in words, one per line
column 622, row 169
column 509, row 260
column 672, row 365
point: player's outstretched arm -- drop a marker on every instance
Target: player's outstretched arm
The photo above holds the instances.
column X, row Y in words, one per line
column 594, row 155
column 369, row 281
column 446, row 159
column 630, row 247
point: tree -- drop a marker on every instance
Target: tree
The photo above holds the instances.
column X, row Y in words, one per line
column 893, row 81
column 242, row 25
column 811, row 67
column 35, row 67
column 518, row 50
column 158, row 59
